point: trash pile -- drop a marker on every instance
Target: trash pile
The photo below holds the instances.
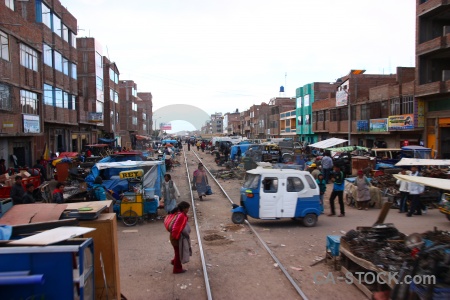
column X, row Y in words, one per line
column 435, row 173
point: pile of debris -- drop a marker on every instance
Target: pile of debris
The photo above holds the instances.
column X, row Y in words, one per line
column 382, row 244
column 435, row 173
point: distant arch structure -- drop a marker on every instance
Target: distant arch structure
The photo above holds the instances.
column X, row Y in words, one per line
column 185, row 112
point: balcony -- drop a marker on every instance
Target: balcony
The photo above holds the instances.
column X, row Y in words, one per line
column 441, row 42
column 429, row 5
column 431, row 88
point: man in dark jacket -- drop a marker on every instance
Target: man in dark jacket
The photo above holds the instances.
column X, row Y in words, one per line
column 17, row 191
column 42, row 170
column 28, row 197
column 57, row 194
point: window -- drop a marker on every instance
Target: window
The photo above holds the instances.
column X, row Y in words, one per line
column 65, row 33
column 4, row 46
column 65, row 100
column 73, row 39
column 144, row 116
column 375, row 110
column 320, row 115
column 29, row 102
column 343, row 114
column 407, row 105
column 333, row 117
column 98, row 60
column 311, row 182
column 365, row 112
column 353, row 113
column 48, row 95
column 28, row 57
column 384, row 111
column 99, row 107
column 46, row 16
column 113, row 76
column 71, row 102
column 270, row 185
column 395, row 107
column 58, row 61
column 99, row 84
column 5, row 97
column 133, row 106
column 73, row 72
column 144, row 127
column 133, row 92
column 65, row 65
column 48, row 55
column 134, row 121
column 59, row 101
column 294, row 184
column 116, row 97
column 9, row 4
column 56, row 25
column 117, row 118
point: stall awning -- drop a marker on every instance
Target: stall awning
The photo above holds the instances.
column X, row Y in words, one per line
column 348, row 148
column 327, row 143
column 438, row 183
column 423, row 162
column 128, row 164
column 142, row 138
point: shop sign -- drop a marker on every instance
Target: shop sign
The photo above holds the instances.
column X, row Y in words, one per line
column 31, row 124
column 362, row 126
column 8, row 124
column 341, row 98
column 379, row 125
column 95, row 117
column 401, row 122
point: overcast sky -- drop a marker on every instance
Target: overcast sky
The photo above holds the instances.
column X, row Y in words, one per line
column 223, row 55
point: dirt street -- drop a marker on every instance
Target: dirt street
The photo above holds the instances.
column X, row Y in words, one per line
column 238, row 266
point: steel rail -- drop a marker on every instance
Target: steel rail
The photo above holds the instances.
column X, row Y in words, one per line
column 280, row 265
column 200, row 245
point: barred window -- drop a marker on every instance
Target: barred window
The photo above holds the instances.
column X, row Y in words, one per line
column 28, row 57
column 5, row 97
column 29, row 102
column 395, row 107
column 333, row 116
column 365, row 113
column 320, row 114
column 407, row 104
column 4, row 46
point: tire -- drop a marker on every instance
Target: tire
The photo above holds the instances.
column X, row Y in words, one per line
column 310, row 220
column 130, row 218
column 448, row 217
column 238, row 218
column 286, row 158
column 348, row 200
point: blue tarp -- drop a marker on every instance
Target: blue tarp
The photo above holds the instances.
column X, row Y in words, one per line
column 107, row 141
column 244, row 147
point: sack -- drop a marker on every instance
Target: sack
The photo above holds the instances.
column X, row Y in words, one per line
column 208, row 190
column 169, row 220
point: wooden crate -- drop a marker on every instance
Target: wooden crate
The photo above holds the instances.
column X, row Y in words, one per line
column 106, row 243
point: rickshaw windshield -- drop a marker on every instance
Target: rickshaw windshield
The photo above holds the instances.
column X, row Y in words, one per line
column 252, row 181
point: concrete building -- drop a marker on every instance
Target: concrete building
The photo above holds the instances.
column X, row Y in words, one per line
column 38, row 79
column 278, row 105
column 432, row 93
column 216, row 123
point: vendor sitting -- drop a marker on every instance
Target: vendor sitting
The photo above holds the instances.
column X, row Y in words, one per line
column 99, row 190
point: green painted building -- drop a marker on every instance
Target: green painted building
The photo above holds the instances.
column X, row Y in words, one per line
column 305, row 97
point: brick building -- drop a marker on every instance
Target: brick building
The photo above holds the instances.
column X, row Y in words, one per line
column 278, row 105
column 111, row 109
column 38, row 79
column 129, row 109
column 433, row 72
column 232, row 123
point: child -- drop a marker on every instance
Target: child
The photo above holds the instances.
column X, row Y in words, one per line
column 321, row 182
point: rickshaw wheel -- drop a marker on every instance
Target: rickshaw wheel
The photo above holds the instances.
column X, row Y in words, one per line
column 130, row 218
column 238, row 218
column 310, row 220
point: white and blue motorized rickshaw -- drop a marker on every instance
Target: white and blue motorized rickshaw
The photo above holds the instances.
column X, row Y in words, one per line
column 271, row 194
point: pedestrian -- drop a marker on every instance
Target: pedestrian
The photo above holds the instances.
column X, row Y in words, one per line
column 415, row 189
column 338, row 191
column 170, row 193
column 299, row 159
column 88, row 152
column 2, row 167
column 322, row 187
column 362, row 191
column 17, row 191
column 226, row 152
column 28, row 197
column 42, row 170
column 203, row 146
column 99, row 190
column 314, row 171
column 57, row 194
column 327, row 165
column 404, row 192
column 201, row 181
column 179, row 236
column 189, row 146
column 238, row 153
column 198, row 145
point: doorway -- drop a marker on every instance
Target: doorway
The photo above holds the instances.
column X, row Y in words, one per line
column 445, row 142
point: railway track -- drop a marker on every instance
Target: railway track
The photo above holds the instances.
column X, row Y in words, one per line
column 209, row 280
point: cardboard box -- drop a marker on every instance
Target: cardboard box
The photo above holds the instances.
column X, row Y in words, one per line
column 25, row 174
